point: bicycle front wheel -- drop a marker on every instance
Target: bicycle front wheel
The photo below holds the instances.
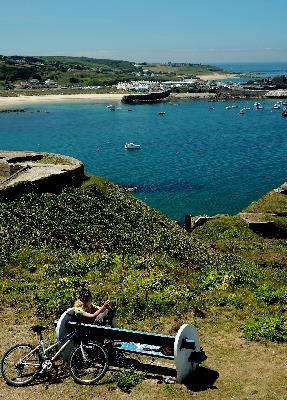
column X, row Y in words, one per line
column 20, row 364
column 88, row 363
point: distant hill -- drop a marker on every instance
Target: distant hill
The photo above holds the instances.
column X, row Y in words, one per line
column 84, row 71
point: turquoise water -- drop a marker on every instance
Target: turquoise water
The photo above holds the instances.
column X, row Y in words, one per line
column 268, row 69
column 263, row 69
column 193, row 160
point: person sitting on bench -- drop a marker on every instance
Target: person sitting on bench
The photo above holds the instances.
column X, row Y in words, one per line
column 100, row 315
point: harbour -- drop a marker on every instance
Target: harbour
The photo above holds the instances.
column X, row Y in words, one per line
column 196, row 160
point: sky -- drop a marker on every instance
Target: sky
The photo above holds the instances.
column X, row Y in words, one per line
column 192, row 31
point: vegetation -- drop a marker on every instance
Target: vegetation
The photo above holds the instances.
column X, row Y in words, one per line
column 225, row 278
column 54, row 159
column 128, row 378
column 87, row 72
column 267, row 286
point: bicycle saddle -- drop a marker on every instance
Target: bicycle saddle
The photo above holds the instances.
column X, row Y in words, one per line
column 38, row 328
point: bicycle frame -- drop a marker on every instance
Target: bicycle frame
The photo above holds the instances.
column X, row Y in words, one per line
column 41, row 346
column 66, row 340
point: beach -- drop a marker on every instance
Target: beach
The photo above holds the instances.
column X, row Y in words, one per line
column 22, row 100
column 217, row 76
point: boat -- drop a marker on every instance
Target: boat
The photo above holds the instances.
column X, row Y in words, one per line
column 258, row 105
column 131, row 189
column 228, row 107
column 242, row 111
column 161, row 113
column 111, row 107
column 284, row 114
column 276, row 106
column 132, row 146
column 152, row 97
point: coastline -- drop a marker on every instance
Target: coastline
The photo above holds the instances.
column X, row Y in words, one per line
column 8, row 101
column 217, row 76
column 35, row 99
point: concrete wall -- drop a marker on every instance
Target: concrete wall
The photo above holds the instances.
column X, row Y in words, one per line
column 21, row 174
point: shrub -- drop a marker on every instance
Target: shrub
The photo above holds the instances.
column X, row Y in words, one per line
column 270, row 295
column 270, row 328
column 54, row 303
column 128, row 378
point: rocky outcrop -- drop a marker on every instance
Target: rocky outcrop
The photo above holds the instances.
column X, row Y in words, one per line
column 22, row 172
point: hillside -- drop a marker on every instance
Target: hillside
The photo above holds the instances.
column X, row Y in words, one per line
column 25, row 72
column 228, row 280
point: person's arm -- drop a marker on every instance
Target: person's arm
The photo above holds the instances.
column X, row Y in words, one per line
column 99, row 310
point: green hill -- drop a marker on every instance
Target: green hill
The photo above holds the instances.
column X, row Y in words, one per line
column 74, row 72
column 228, row 280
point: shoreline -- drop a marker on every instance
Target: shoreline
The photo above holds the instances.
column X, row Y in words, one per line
column 218, row 76
column 54, row 98
column 8, row 101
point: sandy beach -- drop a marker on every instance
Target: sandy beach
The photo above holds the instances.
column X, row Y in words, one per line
column 216, row 76
column 22, row 100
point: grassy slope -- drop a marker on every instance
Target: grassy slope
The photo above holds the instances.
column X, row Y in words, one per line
column 103, row 72
column 157, row 278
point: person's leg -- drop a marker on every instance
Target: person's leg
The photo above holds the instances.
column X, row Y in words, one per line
column 106, row 318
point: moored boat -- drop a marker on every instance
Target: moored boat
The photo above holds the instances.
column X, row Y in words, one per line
column 132, row 146
column 284, row 114
column 258, row 105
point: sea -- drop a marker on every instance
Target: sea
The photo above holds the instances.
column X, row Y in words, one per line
column 198, row 158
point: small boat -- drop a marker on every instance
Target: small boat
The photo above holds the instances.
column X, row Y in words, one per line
column 258, row 105
column 132, row 146
column 111, row 107
column 276, row 106
column 228, row 108
column 161, row 113
column 131, row 189
column 284, row 114
column 242, row 111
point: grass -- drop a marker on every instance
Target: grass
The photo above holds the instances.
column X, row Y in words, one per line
column 57, row 160
column 226, row 279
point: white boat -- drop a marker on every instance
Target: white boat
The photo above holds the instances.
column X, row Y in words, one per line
column 242, row 111
column 132, row 146
column 111, row 107
column 258, row 105
column 276, row 106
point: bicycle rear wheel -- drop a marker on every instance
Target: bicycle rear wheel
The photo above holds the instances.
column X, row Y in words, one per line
column 88, row 363
column 20, row 364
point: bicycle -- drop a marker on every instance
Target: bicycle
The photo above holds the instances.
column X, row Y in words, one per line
column 23, row 363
